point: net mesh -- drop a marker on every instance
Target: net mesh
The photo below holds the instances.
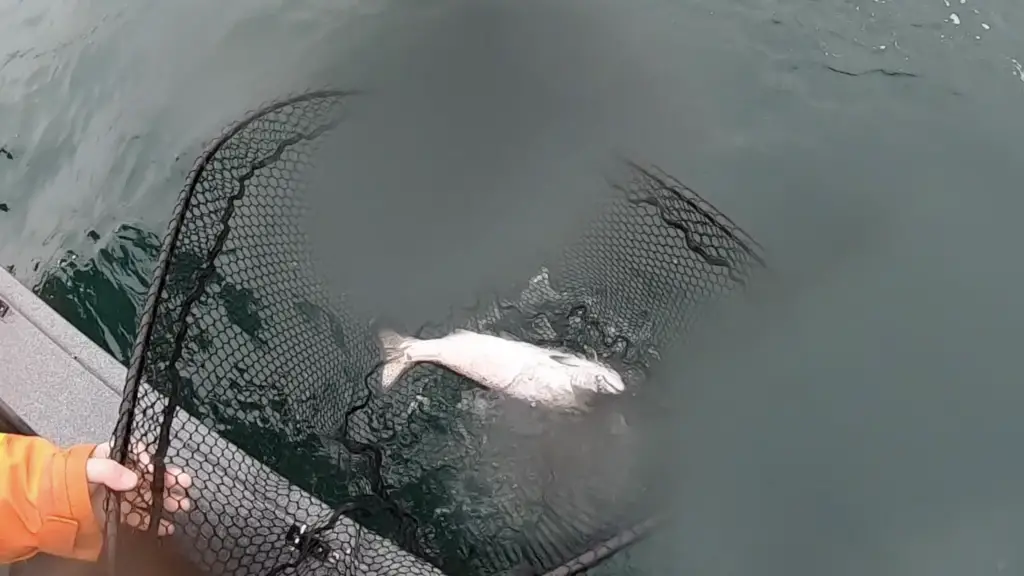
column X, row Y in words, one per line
column 263, row 385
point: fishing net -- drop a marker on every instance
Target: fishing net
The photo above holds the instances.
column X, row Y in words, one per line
column 262, row 382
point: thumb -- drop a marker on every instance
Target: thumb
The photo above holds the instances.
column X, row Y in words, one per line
column 110, row 474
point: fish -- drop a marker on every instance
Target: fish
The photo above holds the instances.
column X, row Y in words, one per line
column 534, row 374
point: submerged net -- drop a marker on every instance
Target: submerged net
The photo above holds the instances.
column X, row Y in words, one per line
column 263, row 384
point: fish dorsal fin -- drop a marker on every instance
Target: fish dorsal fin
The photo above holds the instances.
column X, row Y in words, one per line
column 564, row 359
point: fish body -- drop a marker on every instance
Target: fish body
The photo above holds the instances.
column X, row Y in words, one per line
column 537, row 375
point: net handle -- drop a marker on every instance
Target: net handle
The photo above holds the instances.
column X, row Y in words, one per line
column 606, row 549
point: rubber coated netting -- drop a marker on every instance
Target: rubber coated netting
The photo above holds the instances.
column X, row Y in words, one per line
column 264, row 386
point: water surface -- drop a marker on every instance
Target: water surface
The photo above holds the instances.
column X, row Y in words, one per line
column 868, row 425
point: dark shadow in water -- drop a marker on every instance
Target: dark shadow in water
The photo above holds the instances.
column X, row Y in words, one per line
column 103, row 296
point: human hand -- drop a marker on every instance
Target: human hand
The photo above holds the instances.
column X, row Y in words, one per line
column 136, row 496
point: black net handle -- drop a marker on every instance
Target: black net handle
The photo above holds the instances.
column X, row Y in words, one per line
column 606, row 549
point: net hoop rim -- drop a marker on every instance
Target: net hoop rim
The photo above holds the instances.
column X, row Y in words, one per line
column 158, row 280
column 586, row 560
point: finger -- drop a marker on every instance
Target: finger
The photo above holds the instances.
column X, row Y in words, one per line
column 141, row 521
column 134, row 452
column 166, row 528
column 140, row 448
column 144, row 497
column 141, row 498
column 133, row 516
column 182, row 502
column 171, row 489
column 175, row 498
column 174, row 504
column 110, row 474
column 176, row 479
column 181, row 478
column 176, row 485
column 145, row 461
column 101, row 451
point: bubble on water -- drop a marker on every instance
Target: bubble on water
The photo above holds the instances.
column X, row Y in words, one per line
column 954, row 19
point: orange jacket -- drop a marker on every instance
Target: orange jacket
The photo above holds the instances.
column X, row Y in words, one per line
column 45, row 504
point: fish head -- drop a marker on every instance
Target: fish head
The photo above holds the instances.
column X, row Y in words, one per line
column 591, row 375
column 606, row 380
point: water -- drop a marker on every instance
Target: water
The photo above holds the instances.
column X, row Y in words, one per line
column 872, row 146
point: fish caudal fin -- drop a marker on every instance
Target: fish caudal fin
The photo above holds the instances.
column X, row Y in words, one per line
column 396, row 360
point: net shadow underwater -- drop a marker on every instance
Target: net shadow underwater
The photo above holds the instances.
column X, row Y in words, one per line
column 241, row 340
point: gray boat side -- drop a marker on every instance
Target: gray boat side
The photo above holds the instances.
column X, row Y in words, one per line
column 57, row 383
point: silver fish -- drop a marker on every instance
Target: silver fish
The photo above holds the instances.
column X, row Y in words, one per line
column 552, row 378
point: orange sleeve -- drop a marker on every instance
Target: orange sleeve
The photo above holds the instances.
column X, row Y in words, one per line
column 45, row 503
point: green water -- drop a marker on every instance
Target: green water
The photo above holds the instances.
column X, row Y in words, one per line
column 874, row 147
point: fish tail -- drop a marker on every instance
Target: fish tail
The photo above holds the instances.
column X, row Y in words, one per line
column 396, row 360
